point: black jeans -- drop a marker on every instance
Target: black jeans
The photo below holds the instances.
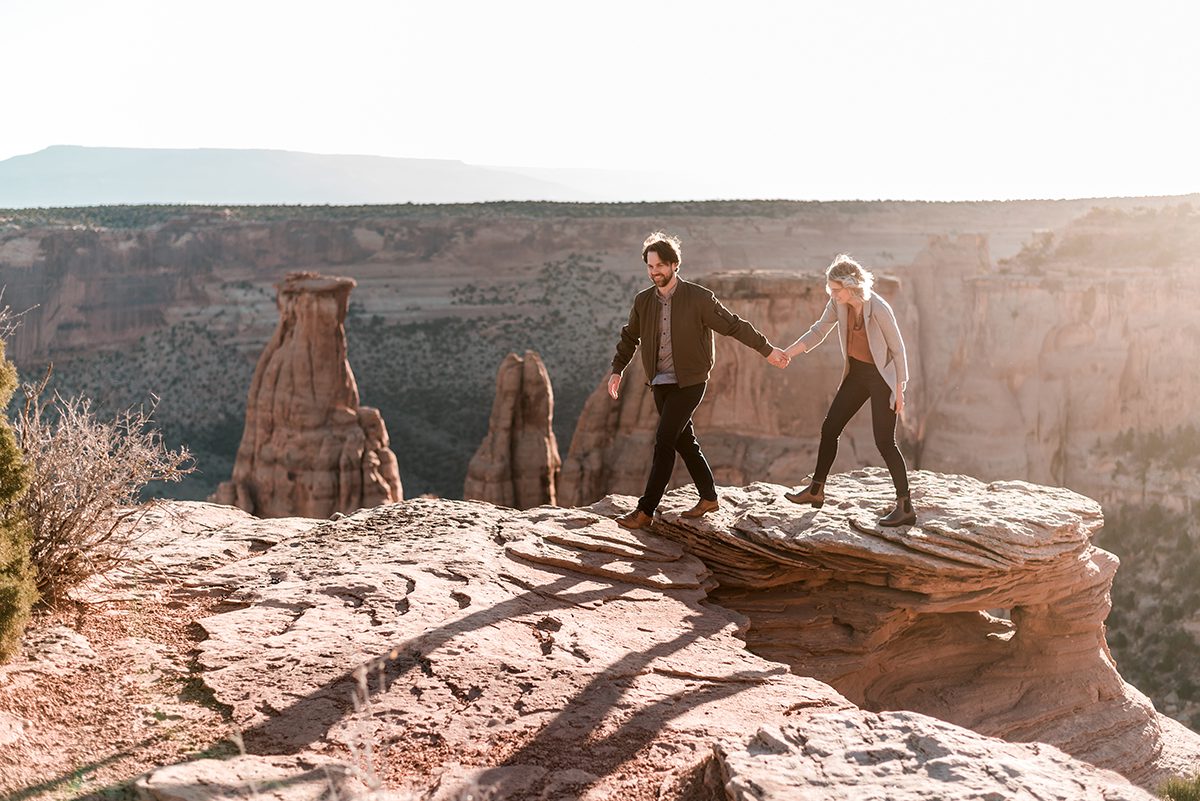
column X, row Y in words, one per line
column 862, row 382
column 675, row 435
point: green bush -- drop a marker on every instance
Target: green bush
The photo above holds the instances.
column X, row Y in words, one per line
column 1181, row 789
column 17, row 593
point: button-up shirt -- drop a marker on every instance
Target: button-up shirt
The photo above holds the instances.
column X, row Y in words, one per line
column 665, row 363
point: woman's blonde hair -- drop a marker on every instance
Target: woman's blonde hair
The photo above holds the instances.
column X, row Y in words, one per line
column 850, row 274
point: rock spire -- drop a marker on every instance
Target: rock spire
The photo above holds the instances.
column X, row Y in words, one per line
column 308, row 448
column 517, row 463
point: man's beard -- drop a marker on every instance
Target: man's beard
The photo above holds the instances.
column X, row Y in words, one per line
column 663, row 280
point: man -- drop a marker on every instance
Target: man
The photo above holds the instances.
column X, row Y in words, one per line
column 674, row 320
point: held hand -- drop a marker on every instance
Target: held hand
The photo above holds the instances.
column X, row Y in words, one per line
column 779, row 358
column 614, row 386
column 899, row 402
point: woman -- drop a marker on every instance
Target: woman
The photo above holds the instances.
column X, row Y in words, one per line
column 876, row 369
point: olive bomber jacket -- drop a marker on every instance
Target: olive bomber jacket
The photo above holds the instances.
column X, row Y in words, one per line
column 695, row 315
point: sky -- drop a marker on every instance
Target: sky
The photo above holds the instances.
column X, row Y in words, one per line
column 936, row 100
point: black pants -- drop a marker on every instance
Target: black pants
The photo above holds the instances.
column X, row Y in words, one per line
column 675, row 435
column 862, row 382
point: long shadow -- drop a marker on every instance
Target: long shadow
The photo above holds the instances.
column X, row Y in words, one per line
column 572, row 730
column 309, row 718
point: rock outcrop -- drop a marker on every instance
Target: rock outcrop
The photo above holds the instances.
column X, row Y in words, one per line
column 989, row 613
column 756, row 423
column 444, row 650
column 308, row 448
column 517, row 463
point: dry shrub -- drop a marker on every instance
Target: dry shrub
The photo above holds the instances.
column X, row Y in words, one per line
column 85, row 477
column 1181, row 789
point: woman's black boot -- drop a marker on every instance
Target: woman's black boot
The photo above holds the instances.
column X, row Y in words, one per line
column 815, row 494
column 902, row 515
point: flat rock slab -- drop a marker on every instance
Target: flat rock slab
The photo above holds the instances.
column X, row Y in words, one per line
column 902, row 756
column 178, row 543
column 970, row 537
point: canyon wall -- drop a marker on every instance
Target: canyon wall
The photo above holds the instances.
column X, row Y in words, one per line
column 1045, row 329
column 1033, row 368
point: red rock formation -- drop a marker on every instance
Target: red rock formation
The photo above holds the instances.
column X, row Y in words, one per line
column 544, row 654
column 517, row 463
column 988, row 614
column 756, row 423
column 308, row 448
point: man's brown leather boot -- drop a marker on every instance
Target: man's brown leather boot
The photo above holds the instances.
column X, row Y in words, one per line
column 634, row 520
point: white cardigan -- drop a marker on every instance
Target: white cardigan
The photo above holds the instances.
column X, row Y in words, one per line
column 883, row 335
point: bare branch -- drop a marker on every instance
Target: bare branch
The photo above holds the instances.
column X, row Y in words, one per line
column 86, row 476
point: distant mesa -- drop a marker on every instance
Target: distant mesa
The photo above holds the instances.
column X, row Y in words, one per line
column 309, row 449
column 69, row 175
column 517, row 464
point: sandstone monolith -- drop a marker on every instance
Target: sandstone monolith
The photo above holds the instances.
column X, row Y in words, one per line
column 308, row 448
column 517, row 463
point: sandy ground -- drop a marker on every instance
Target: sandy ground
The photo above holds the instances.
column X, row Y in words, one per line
column 74, row 724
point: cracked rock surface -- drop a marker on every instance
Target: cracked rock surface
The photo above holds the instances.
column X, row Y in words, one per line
column 451, row 650
column 902, row 756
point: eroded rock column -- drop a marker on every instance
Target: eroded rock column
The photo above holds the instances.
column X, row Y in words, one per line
column 308, row 448
column 517, row 464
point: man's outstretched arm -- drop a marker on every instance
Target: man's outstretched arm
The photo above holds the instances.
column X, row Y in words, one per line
column 726, row 323
column 626, row 347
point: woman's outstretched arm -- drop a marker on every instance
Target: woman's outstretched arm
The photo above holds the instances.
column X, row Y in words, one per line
column 815, row 335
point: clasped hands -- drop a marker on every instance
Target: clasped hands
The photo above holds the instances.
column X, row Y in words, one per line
column 779, row 358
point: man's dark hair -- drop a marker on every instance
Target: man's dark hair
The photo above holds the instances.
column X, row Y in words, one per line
column 668, row 248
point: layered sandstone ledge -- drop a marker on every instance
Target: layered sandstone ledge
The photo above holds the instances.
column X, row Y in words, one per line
column 989, row 613
column 451, row 649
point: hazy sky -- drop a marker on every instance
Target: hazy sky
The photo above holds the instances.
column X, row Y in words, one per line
column 938, row 100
